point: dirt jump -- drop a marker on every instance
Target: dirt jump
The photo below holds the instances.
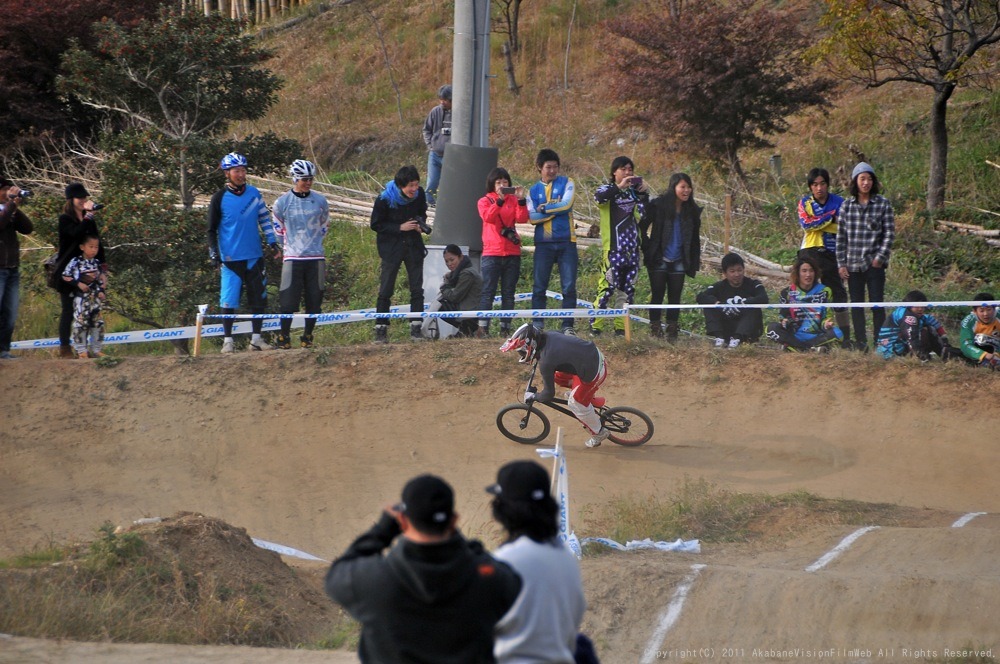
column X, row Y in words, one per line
column 304, row 447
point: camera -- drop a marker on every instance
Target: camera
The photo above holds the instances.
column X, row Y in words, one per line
column 97, row 206
column 23, row 194
column 511, row 235
column 508, row 191
column 422, row 223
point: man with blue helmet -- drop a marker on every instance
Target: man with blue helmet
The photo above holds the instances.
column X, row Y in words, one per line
column 237, row 215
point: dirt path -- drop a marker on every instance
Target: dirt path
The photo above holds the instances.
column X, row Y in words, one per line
column 302, row 448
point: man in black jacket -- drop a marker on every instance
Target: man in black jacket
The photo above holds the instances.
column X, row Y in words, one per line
column 735, row 324
column 12, row 222
column 435, row 596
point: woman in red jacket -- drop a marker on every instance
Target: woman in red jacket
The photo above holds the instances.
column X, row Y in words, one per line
column 503, row 206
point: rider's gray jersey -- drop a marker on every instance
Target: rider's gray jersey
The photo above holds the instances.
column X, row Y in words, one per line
column 568, row 354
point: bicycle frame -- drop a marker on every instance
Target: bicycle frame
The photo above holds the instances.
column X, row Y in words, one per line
column 561, row 405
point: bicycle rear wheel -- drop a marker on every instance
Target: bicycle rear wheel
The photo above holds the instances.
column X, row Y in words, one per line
column 523, row 425
column 628, row 426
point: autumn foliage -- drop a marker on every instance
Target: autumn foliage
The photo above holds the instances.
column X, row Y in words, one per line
column 712, row 79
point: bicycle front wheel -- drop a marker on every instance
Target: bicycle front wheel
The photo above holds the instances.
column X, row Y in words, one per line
column 523, row 425
column 628, row 426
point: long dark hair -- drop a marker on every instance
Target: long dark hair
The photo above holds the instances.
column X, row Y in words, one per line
column 799, row 262
column 620, row 162
column 497, row 174
column 876, row 189
column 670, row 197
column 535, row 519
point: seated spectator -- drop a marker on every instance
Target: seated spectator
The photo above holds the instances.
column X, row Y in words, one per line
column 734, row 324
column 804, row 328
column 979, row 334
column 461, row 289
column 911, row 330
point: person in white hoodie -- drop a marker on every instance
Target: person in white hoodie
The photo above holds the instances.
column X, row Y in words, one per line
column 543, row 623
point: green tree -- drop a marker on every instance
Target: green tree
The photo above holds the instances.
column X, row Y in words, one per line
column 933, row 43
column 712, row 77
column 185, row 76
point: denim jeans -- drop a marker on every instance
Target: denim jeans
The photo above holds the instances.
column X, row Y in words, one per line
column 548, row 254
column 433, row 176
column 10, row 296
column 504, row 270
column 872, row 280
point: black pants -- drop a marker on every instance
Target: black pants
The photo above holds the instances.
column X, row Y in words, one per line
column 747, row 326
column 413, row 259
column 65, row 317
column 670, row 282
column 872, row 280
column 298, row 277
column 828, row 273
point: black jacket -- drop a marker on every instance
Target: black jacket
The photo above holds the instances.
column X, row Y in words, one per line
column 657, row 228
column 392, row 243
column 422, row 602
column 12, row 222
column 71, row 234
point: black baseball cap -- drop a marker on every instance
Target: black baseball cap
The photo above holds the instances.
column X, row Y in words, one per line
column 428, row 501
column 521, row 481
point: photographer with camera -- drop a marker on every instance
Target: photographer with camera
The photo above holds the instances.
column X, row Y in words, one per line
column 399, row 216
column 502, row 207
column 12, row 222
column 75, row 223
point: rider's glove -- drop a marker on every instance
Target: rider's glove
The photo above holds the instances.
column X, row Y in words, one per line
column 529, row 395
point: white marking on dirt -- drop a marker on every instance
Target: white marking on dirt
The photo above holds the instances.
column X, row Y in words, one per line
column 967, row 518
column 845, row 544
column 670, row 614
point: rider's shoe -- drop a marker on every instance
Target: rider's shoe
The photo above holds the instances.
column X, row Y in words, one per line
column 598, row 438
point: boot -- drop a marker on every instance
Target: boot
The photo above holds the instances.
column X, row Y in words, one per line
column 656, row 330
column 416, row 334
column 66, row 352
column 843, row 321
column 381, row 334
column 306, row 340
column 283, row 342
column 672, row 330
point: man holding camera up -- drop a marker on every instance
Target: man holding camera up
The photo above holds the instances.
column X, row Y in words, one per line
column 399, row 216
column 12, row 222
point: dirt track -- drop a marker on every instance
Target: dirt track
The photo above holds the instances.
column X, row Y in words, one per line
column 304, row 453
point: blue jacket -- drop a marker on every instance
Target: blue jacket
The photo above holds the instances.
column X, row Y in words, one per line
column 550, row 209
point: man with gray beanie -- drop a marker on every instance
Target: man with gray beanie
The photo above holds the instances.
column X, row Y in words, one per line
column 437, row 134
column 865, row 234
column 435, row 596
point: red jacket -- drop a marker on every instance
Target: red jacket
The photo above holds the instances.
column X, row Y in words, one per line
column 495, row 217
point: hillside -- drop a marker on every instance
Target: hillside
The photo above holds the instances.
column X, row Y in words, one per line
column 304, row 453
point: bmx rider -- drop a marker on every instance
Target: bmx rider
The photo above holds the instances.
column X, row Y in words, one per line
column 567, row 361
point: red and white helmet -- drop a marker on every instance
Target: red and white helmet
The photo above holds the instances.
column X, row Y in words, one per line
column 524, row 341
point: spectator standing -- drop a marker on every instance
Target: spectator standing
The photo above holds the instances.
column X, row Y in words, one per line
column 734, row 324
column 805, row 327
column 621, row 203
column 237, row 217
column 503, row 206
column 76, row 222
column 399, row 215
column 912, row 331
column 865, row 234
column 461, row 288
column 83, row 275
column 301, row 220
column 543, row 624
column 437, row 134
column 979, row 334
column 550, row 209
column 818, row 218
column 435, row 596
column 12, row 222
column 671, row 247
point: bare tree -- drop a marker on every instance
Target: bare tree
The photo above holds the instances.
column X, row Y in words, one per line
column 933, row 43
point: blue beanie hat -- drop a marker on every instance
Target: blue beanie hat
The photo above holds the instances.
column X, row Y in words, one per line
column 862, row 167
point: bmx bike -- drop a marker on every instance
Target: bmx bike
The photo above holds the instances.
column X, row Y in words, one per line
column 527, row 424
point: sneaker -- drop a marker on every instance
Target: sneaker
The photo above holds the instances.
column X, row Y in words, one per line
column 569, row 331
column 282, row 342
column 482, row 332
column 598, row 438
column 733, row 343
column 227, row 347
column 720, row 343
column 416, row 334
column 595, row 331
column 6, row 355
column 381, row 334
column 260, row 345
column 83, row 355
column 306, row 341
column 619, row 333
column 96, row 354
